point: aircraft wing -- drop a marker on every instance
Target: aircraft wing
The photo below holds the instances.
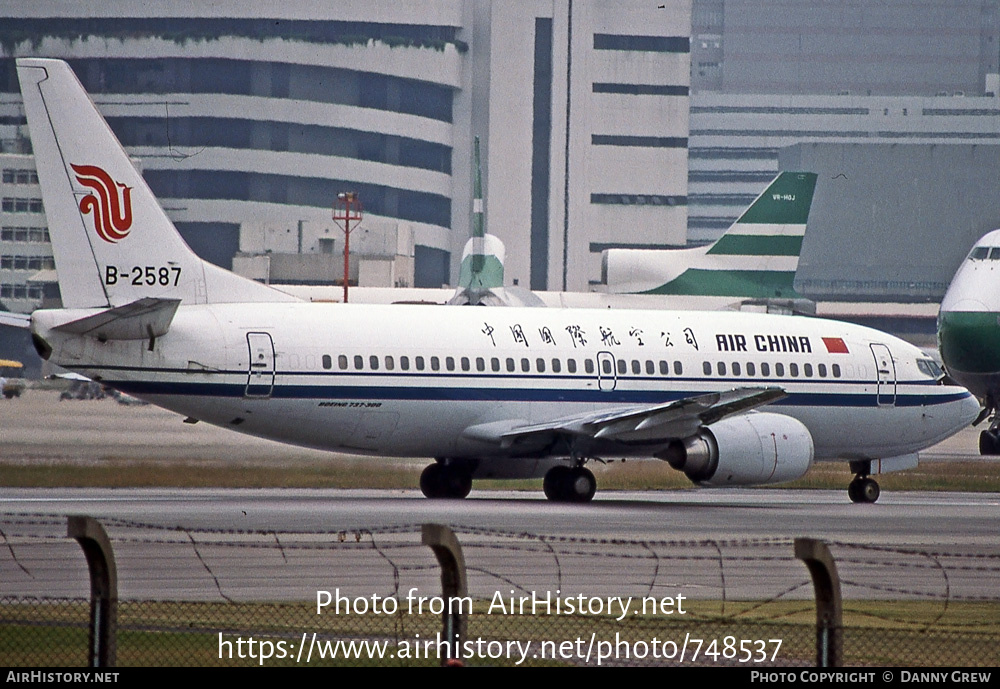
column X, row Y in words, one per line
column 655, row 423
column 15, row 320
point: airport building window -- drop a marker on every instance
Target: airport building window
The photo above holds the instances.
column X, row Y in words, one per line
column 327, row 361
column 25, row 234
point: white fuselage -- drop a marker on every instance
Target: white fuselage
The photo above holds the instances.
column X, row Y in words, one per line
column 411, row 380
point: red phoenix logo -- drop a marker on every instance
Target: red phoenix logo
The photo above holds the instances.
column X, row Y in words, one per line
column 112, row 213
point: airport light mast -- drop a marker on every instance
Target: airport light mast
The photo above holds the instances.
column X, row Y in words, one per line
column 347, row 208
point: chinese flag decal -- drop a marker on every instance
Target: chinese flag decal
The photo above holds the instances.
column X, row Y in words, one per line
column 835, row 345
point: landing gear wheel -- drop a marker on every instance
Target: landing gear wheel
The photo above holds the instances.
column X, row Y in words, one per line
column 442, row 482
column 555, row 479
column 864, row 489
column 581, row 485
column 989, row 443
column 563, row 484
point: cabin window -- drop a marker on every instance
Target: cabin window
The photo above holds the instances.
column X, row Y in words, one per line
column 571, row 365
column 449, row 362
column 765, row 369
column 678, row 368
column 540, row 364
column 373, row 362
column 650, row 367
column 556, row 366
column 664, row 368
column 979, row 253
column 836, row 370
column 466, row 364
column 636, row 367
column 404, row 363
column 793, row 370
column 480, row 364
column 359, row 362
column 808, row 370
column 495, row 364
column 994, row 253
column 419, row 361
column 525, row 365
column 721, row 366
column 736, row 368
column 779, row 370
column 435, row 364
column 751, row 369
column 327, row 361
column 389, row 363
column 706, row 368
column 622, row 367
column 510, row 365
column 588, row 366
column 606, row 367
column 342, row 362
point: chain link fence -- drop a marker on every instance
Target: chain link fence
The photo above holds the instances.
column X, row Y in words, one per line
column 374, row 597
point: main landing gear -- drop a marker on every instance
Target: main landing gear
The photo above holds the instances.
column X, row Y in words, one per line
column 863, row 489
column 569, row 484
column 445, row 481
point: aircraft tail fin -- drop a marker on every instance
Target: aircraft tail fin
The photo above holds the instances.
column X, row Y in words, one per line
column 113, row 243
column 756, row 258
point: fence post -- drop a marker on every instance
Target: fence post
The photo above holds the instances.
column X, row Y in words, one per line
column 826, row 584
column 448, row 551
column 103, row 588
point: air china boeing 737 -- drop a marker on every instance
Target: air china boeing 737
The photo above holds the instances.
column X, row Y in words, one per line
column 727, row 398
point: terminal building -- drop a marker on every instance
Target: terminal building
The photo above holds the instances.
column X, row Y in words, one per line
column 249, row 118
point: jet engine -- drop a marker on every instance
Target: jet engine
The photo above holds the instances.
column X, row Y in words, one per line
column 744, row 450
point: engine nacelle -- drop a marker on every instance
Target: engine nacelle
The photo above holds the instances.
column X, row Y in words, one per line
column 755, row 448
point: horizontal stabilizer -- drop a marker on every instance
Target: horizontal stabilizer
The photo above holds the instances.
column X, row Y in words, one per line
column 147, row 317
